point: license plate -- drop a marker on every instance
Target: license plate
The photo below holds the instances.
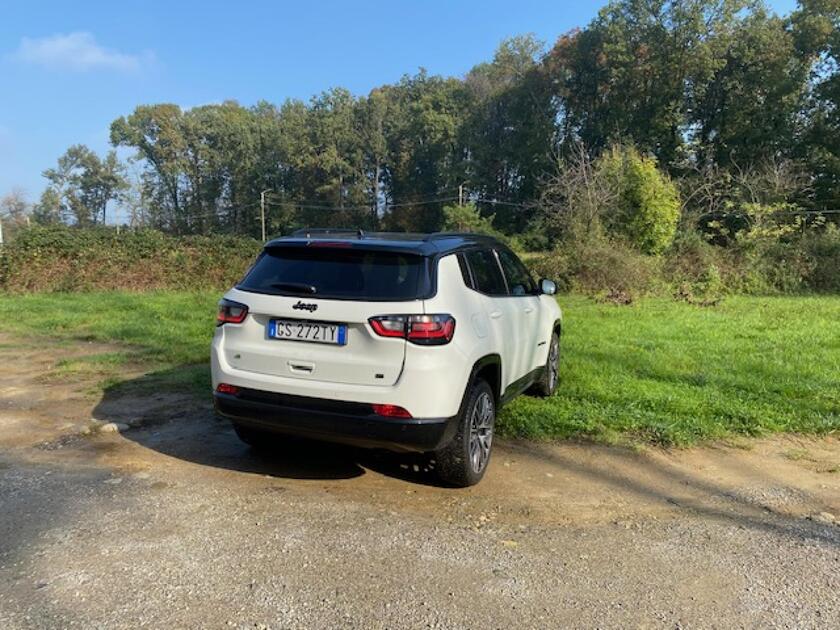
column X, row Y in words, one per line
column 314, row 332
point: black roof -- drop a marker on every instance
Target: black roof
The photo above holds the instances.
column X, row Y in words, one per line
column 422, row 244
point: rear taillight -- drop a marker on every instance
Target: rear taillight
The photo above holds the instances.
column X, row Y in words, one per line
column 231, row 312
column 390, row 411
column 389, row 325
column 425, row 330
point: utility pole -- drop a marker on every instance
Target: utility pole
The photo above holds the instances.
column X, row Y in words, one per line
column 1, row 232
column 262, row 211
column 460, row 194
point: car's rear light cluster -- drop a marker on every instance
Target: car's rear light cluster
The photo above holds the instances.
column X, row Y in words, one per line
column 426, row 330
column 231, row 312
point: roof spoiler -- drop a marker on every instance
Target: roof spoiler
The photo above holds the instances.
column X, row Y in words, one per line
column 329, row 232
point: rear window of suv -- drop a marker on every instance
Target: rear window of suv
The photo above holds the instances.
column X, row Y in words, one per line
column 338, row 273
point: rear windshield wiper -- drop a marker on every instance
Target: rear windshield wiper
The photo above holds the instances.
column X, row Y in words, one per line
column 295, row 287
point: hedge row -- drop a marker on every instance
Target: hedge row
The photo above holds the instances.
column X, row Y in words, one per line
column 808, row 263
column 60, row 258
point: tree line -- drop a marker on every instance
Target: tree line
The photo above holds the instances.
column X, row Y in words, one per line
column 733, row 103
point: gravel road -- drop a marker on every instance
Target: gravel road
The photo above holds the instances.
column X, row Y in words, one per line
column 173, row 523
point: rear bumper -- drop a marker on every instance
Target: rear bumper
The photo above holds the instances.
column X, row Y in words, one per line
column 334, row 421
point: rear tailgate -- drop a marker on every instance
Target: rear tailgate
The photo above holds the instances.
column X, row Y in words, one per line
column 360, row 279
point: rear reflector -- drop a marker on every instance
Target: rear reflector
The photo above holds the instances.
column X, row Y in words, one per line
column 225, row 388
column 390, row 411
column 425, row 330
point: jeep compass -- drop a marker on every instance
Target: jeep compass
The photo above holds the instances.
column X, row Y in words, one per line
column 406, row 342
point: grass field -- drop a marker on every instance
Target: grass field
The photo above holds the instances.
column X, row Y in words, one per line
column 657, row 372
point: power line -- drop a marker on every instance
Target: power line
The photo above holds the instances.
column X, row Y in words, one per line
column 419, row 203
column 495, row 202
column 730, row 213
column 310, row 206
column 173, row 215
column 304, row 206
column 807, row 212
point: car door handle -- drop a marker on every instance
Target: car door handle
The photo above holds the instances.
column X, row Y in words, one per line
column 529, row 309
column 495, row 314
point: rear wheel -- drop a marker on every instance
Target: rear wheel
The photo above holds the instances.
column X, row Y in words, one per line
column 464, row 460
column 547, row 384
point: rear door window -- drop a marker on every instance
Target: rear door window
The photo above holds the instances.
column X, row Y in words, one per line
column 338, row 273
column 518, row 277
column 486, row 273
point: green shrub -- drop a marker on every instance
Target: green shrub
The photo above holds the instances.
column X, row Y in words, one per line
column 600, row 265
column 694, row 265
column 646, row 205
column 823, row 247
column 468, row 218
column 780, row 266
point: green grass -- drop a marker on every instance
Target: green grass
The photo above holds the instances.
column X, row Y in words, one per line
column 657, row 372
column 162, row 328
column 167, row 332
column 671, row 373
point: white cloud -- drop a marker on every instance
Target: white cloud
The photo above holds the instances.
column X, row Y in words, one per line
column 78, row 52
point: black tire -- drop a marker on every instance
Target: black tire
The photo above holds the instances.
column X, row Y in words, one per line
column 464, row 460
column 254, row 437
column 547, row 384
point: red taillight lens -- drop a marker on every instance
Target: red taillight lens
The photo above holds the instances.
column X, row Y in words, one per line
column 231, row 312
column 390, row 411
column 225, row 388
column 431, row 329
column 425, row 330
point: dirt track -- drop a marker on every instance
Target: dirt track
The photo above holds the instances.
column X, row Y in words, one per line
column 175, row 523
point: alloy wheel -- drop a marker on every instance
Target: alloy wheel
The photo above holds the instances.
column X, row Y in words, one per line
column 553, row 364
column 481, row 431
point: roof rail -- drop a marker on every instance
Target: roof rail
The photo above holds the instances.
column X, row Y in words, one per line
column 358, row 233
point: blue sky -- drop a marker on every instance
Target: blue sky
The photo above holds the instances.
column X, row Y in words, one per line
column 69, row 68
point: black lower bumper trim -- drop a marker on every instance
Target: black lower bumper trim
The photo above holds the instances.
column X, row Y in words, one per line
column 334, row 421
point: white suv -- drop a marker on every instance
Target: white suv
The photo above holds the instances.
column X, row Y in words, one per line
column 407, row 342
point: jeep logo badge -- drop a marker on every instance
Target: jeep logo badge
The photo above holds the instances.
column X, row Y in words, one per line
column 301, row 306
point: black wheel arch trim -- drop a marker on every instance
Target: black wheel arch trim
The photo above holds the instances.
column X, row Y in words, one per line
column 485, row 361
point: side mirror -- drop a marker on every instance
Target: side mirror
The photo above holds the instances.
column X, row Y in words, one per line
column 547, row 287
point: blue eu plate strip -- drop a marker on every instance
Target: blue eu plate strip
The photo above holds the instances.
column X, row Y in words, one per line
column 272, row 327
column 342, row 335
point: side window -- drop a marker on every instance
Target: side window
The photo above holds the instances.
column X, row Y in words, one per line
column 518, row 277
column 486, row 273
column 465, row 271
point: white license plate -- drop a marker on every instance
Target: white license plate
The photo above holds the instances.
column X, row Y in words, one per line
column 315, row 332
